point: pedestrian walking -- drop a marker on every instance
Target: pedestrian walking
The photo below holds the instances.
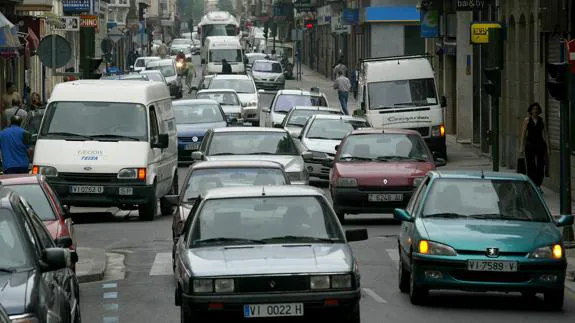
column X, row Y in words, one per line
column 35, row 114
column 10, row 94
column 15, row 147
column 343, row 86
column 339, row 67
column 354, row 79
column 534, row 145
column 16, row 109
column 190, row 74
column 226, row 67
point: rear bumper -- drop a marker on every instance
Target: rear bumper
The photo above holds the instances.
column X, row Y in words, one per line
column 268, row 85
column 316, row 169
column 355, row 200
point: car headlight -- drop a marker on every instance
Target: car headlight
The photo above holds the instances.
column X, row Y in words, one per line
column 319, row 282
column 323, row 282
column 48, row 171
column 203, row 286
column 438, row 131
column 23, row 318
column 319, row 155
column 434, row 248
column 225, row 285
column 252, row 104
column 298, row 176
column 341, row 281
column 417, row 181
column 132, row 173
column 548, row 252
column 346, row 182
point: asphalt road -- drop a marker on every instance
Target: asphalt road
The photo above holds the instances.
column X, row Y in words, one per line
column 141, row 288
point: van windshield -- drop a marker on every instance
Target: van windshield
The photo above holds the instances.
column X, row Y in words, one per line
column 107, row 121
column 230, row 55
column 402, row 93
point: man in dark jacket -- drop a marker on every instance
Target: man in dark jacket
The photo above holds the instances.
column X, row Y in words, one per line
column 15, row 147
column 226, row 67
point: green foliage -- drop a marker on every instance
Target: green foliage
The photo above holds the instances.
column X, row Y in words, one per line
column 226, row 5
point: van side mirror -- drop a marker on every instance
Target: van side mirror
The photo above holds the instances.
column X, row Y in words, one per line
column 565, row 220
column 173, row 200
column 443, row 101
column 163, row 141
column 244, row 104
column 232, row 120
column 197, row 155
column 33, row 139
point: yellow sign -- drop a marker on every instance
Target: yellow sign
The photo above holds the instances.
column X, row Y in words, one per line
column 480, row 32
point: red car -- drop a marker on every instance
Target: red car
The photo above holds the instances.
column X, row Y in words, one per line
column 377, row 170
column 46, row 204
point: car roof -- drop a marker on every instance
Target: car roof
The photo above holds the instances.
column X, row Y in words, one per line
column 216, row 91
column 115, row 90
column 257, row 191
column 266, row 60
column 249, row 129
column 151, row 72
column 232, row 76
column 383, row 130
column 194, row 101
column 20, row 179
column 155, row 58
column 477, row 174
column 236, row 164
column 315, row 108
column 161, row 61
column 299, row 92
column 336, row 117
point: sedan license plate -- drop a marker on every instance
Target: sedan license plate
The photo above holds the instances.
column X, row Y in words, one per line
column 385, row 197
column 490, row 265
column 126, row 191
column 82, row 189
column 193, row 146
column 273, row 310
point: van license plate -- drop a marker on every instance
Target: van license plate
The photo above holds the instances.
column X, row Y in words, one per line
column 273, row 310
column 126, row 191
column 194, row 146
column 385, row 197
column 83, row 189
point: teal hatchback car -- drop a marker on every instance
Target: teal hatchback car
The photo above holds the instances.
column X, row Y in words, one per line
column 476, row 231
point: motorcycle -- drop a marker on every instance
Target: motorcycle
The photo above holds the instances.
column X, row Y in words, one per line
column 287, row 67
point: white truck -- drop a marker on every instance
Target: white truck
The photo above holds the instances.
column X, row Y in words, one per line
column 400, row 92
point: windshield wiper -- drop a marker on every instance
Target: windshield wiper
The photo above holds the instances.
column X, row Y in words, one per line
column 356, row 158
column 222, row 154
column 445, row 215
column 405, row 103
column 498, row 216
column 69, row 134
column 301, row 238
column 387, row 158
column 323, row 138
column 8, row 270
column 109, row 135
column 262, row 153
column 222, row 239
column 281, row 112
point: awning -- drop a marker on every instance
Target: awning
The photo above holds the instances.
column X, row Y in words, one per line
column 8, row 35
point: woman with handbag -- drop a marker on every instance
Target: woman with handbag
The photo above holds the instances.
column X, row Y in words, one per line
column 534, row 145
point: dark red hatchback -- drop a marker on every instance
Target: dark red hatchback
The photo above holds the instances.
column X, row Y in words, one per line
column 377, row 170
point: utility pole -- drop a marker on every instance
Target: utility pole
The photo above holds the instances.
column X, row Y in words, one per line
column 274, row 34
column 493, row 87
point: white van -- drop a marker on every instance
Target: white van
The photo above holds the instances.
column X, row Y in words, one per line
column 223, row 47
column 109, row 143
column 400, row 92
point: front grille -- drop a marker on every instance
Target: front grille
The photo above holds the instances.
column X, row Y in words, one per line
column 424, row 131
column 189, row 139
column 332, row 156
column 490, row 277
column 263, row 284
column 484, row 252
column 88, row 177
column 385, row 188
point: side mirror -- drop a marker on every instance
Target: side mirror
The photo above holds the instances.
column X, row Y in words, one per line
column 439, row 162
column 203, row 61
column 266, row 109
column 64, row 242
column 307, row 155
column 356, row 235
column 246, row 61
column 443, row 101
column 327, row 163
column 34, row 139
column 278, row 125
column 197, row 155
column 336, row 147
column 173, row 200
column 194, row 88
column 402, row 215
column 55, row 259
column 232, row 120
column 565, row 220
column 132, row 67
column 67, row 213
column 163, row 141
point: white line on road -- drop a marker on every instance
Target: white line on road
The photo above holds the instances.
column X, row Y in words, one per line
column 162, row 265
column 374, row 295
column 110, row 295
column 393, row 255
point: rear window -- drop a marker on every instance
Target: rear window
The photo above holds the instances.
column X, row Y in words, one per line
column 34, row 194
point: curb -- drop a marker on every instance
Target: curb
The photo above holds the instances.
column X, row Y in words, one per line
column 91, row 265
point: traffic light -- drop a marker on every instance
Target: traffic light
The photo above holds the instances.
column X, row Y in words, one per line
column 274, row 30
column 310, row 24
column 492, row 84
column 557, row 80
column 266, row 29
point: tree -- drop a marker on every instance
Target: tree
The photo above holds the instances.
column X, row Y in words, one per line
column 226, row 5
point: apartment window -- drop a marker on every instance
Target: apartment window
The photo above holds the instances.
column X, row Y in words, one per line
column 123, row 1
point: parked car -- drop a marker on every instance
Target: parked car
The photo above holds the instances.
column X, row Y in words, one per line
column 377, row 170
column 481, row 231
column 39, row 285
column 266, row 252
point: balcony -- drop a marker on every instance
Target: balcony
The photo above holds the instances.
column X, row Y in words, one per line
column 33, row 5
column 119, row 4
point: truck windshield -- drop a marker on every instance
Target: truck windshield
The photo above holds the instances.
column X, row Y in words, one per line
column 401, row 93
column 230, row 55
column 107, row 121
column 217, row 30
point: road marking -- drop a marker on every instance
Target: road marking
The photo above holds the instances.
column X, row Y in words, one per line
column 110, row 319
column 393, row 255
column 110, row 295
column 162, row 265
column 110, row 307
column 374, row 295
column 110, row 285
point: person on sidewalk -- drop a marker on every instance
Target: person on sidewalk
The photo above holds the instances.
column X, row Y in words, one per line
column 343, row 86
column 15, row 110
column 10, row 94
column 354, row 79
column 339, row 67
column 534, row 145
column 15, row 147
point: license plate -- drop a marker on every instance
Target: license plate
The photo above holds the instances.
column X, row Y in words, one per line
column 490, row 265
column 385, row 197
column 82, row 189
column 273, row 310
column 126, row 191
column 194, row 146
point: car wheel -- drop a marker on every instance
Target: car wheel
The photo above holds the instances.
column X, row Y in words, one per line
column 417, row 294
column 403, row 275
column 165, row 207
column 147, row 212
column 554, row 299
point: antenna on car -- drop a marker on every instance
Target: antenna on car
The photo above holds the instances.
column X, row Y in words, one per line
column 263, row 191
column 482, row 174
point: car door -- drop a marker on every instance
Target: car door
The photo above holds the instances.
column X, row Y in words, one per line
column 406, row 230
column 267, row 113
column 59, row 209
column 154, row 129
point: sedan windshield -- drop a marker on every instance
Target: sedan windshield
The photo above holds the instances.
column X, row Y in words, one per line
column 249, row 220
column 285, row 102
column 166, row 69
column 35, row 195
column 252, row 143
column 230, row 55
column 154, row 77
column 267, row 67
column 197, row 113
column 333, row 129
column 384, row 147
column 403, row 93
column 299, row 117
column 205, row 179
column 181, row 41
column 253, row 58
column 223, row 98
column 239, row 85
column 12, row 246
column 485, row 199
column 119, row 121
